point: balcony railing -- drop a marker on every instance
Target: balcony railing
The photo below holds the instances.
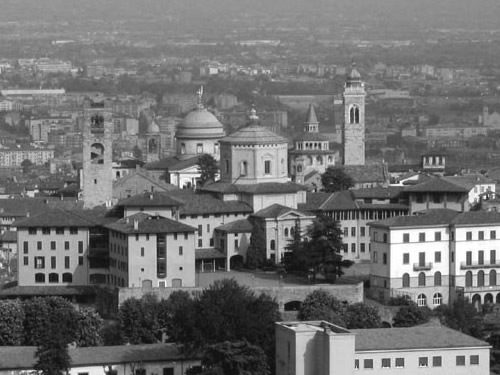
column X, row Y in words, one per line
column 484, row 288
column 422, row 266
column 472, row 265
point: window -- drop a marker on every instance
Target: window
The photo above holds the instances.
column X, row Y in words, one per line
column 353, row 231
column 53, row 262
column 267, row 166
column 437, row 299
column 493, row 256
column 422, row 300
column 226, row 165
column 175, row 236
column 353, row 248
column 423, row 362
column 39, row 278
column 39, row 262
column 25, row 247
column 386, row 362
column 406, row 280
column 468, row 278
column 437, row 361
column 272, row 245
column 406, row 258
column 421, row 279
column 437, row 236
column 45, row 230
column 137, row 237
column 480, row 278
column 66, row 245
column 235, row 244
column 26, row 261
column 186, row 235
column 73, row 230
column 437, row 257
column 200, row 242
column 468, row 258
column 362, row 231
column 362, row 247
column 493, row 278
column 368, row 363
column 493, row 235
column 437, row 279
column 385, row 238
column 345, row 247
column 31, row 230
column 80, row 261
column 53, row 278
column 346, row 231
column 66, row 262
column 400, row 363
column 474, row 360
column 59, row 230
column 181, row 250
column 421, row 237
column 480, row 235
column 199, row 148
column 480, row 257
column 168, row 371
column 243, row 168
column 200, row 230
column 39, row 245
column 356, row 364
column 384, row 258
column 67, row 278
column 147, row 237
column 142, row 251
column 468, row 236
column 460, row 360
column 375, row 257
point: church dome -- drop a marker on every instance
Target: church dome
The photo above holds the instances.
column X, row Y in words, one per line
column 200, row 124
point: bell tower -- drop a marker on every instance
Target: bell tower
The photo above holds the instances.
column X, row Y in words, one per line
column 97, row 182
column 353, row 128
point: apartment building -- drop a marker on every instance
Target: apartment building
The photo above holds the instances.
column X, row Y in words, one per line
column 14, row 157
column 436, row 257
column 321, row 348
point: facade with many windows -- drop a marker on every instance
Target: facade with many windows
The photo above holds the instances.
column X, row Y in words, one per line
column 322, row 348
column 436, row 257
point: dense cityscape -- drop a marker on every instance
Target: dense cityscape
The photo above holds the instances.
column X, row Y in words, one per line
column 214, row 187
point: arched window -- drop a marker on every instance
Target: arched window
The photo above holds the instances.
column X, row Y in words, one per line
column 53, row 278
column 39, row 277
column 354, row 115
column 422, row 300
column 243, row 168
column 480, row 278
column 493, row 277
column 67, row 277
column 97, row 153
column 468, row 278
column 299, row 168
column 216, row 148
column 421, row 279
column 199, row 148
column 437, row 279
column 292, row 231
column 319, row 160
column 330, row 159
column 273, row 245
column 309, row 160
column 286, row 232
column 406, row 280
column 183, row 148
column 437, row 299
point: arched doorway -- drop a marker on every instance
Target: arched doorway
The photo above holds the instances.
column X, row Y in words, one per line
column 293, row 306
column 476, row 301
column 498, row 298
column 488, row 298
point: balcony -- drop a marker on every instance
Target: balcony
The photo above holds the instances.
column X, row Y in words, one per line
column 485, row 288
column 474, row 265
column 422, row 266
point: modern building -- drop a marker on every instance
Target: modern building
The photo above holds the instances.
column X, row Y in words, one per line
column 436, row 257
column 321, row 348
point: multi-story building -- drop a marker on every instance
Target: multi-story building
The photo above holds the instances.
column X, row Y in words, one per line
column 15, row 157
column 322, row 348
column 146, row 251
column 436, row 257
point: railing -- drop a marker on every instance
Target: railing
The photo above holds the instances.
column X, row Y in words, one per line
column 422, row 266
column 473, row 265
column 485, row 288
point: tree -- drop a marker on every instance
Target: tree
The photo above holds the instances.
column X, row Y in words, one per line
column 89, row 326
column 411, row 315
column 234, row 358
column 138, row 320
column 321, row 305
column 208, row 168
column 319, row 252
column 26, row 164
column 461, row 316
column 360, row 315
column 11, row 323
column 336, row 179
column 256, row 252
column 137, row 152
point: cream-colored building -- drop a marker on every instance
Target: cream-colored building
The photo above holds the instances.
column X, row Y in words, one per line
column 321, row 348
column 436, row 257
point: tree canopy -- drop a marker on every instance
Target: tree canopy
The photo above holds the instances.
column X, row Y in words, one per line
column 319, row 252
column 461, row 316
column 336, row 179
column 208, row 167
column 411, row 315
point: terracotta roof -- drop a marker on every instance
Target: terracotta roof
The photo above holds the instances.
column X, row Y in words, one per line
column 155, row 199
column 342, row 200
column 468, row 182
column 314, row 201
column 208, row 254
column 254, row 134
column 366, row 173
column 427, row 218
column 309, row 136
column 413, row 338
column 477, row 218
column 238, row 226
column 276, row 210
column 148, row 224
column 23, row 357
column 140, row 174
column 262, row 188
column 8, row 236
column 437, row 185
column 55, row 218
column 390, row 192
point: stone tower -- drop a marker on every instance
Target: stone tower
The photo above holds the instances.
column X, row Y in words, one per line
column 97, row 182
column 353, row 129
column 153, row 143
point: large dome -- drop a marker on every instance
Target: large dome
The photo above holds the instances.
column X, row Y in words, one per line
column 200, row 124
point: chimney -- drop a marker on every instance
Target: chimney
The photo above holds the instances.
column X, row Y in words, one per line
column 136, row 224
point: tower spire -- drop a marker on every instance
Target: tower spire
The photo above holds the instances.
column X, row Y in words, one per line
column 311, row 121
column 254, row 119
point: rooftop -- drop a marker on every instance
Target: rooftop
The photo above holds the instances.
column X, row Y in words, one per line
column 155, row 199
column 56, row 218
column 437, row 185
column 144, row 223
column 276, row 210
column 426, row 219
column 238, row 226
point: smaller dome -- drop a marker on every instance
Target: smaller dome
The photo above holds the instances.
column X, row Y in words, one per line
column 153, row 128
column 200, row 123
